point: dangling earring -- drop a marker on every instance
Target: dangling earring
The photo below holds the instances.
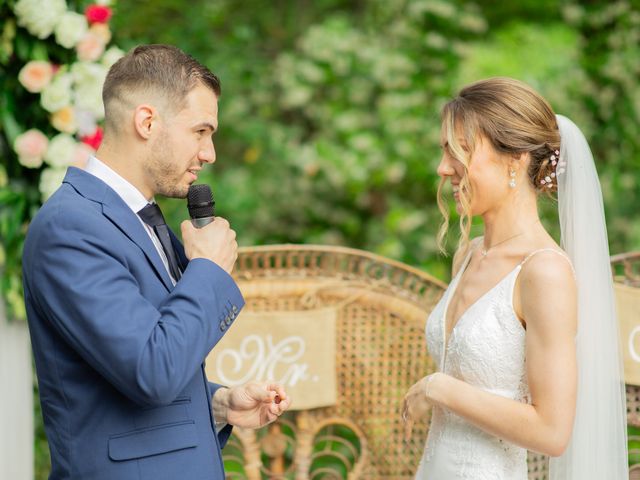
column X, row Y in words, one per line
column 512, row 174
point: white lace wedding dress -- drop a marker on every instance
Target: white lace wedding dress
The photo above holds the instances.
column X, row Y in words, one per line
column 486, row 349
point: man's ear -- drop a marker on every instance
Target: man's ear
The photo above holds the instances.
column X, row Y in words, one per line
column 145, row 120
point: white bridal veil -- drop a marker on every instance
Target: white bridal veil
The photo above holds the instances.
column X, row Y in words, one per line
column 598, row 447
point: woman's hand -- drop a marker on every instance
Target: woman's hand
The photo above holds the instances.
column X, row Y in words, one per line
column 417, row 403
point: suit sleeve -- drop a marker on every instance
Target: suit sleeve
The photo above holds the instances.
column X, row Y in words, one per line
column 91, row 297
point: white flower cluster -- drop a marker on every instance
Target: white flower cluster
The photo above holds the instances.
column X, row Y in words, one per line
column 72, row 94
column 40, row 17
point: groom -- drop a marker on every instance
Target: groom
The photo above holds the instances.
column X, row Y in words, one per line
column 122, row 315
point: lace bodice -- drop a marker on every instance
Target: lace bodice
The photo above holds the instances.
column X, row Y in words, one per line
column 487, row 350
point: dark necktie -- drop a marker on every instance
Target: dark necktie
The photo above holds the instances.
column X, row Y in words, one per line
column 152, row 216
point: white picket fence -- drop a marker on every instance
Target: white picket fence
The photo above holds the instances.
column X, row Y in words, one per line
column 16, row 401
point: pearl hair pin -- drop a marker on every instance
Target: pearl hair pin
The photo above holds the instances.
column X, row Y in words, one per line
column 558, row 166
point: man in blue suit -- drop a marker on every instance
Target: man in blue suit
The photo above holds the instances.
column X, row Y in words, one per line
column 121, row 319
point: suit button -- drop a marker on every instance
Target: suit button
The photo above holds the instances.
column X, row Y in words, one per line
column 234, row 309
column 222, row 327
column 228, row 321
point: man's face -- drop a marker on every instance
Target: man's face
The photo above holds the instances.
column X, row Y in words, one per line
column 183, row 145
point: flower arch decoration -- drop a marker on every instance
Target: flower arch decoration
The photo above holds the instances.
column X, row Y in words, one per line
column 54, row 56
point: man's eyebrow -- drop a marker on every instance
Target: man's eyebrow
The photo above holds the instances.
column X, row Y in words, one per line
column 206, row 125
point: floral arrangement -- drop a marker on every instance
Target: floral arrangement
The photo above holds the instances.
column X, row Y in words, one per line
column 53, row 61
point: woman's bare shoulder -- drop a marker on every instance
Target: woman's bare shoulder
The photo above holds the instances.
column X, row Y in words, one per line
column 547, row 283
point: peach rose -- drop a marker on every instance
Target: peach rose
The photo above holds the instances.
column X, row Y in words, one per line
column 31, row 147
column 64, row 120
column 90, row 47
column 101, row 30
column 36, row 75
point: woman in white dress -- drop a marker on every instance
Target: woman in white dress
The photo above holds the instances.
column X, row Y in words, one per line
column 525, row 337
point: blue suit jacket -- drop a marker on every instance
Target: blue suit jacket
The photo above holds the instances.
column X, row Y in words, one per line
column 119, row 350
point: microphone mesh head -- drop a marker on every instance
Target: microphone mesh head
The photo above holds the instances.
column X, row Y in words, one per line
column 200, row 201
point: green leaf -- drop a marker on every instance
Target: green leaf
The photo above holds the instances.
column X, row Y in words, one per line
column 11, row 127
column 39, row 51
column 23, row 46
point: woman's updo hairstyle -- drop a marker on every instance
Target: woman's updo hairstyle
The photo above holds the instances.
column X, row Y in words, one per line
column 515, row 119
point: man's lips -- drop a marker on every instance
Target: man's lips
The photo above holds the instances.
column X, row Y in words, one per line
column 194, row 173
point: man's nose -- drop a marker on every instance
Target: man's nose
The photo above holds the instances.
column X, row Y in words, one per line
column 208, row 153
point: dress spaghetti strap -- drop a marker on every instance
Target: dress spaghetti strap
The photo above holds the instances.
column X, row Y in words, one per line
column 559, row 252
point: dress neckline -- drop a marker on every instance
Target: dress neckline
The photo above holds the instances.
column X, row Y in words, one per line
column 454, row 287
column 446, row 338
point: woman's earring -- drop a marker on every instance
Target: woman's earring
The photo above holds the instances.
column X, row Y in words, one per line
column 512, row 174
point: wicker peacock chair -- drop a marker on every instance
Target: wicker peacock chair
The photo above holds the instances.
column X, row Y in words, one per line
column 380, row 352
column 626, row 271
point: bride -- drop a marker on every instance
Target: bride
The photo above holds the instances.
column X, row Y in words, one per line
column 525, row 337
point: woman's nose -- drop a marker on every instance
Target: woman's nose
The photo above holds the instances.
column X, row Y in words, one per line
column 445, row 168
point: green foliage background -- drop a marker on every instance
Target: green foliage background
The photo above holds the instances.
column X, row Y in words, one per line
column 329, row 115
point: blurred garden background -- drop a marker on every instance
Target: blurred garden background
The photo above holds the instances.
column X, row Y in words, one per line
column 329, row 117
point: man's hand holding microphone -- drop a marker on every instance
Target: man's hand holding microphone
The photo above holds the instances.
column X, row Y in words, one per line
column 207, row 236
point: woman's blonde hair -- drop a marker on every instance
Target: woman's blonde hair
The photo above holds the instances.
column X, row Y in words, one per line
column 515, row 119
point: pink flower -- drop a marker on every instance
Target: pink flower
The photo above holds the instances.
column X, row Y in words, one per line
column 93, row 140
column 90, row 47
column 36, row 75
column 31, row 147
column 81, row 155
column 98, row 13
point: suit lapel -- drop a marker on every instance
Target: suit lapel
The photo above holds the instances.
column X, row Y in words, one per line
column 119, row 213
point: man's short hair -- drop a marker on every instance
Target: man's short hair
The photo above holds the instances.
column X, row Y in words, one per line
column 163, row 70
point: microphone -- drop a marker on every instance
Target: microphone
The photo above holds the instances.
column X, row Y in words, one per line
column 201, row 205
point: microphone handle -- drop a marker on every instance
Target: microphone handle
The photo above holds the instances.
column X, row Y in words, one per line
column 201, row 222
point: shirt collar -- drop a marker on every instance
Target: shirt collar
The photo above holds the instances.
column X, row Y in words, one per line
column 130, row 194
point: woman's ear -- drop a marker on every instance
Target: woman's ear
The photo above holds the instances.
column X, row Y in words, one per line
column 523, row 159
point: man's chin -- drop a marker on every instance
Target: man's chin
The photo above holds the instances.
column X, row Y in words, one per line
column 177, row 192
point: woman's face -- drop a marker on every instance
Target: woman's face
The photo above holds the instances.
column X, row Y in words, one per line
column 487, row 174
